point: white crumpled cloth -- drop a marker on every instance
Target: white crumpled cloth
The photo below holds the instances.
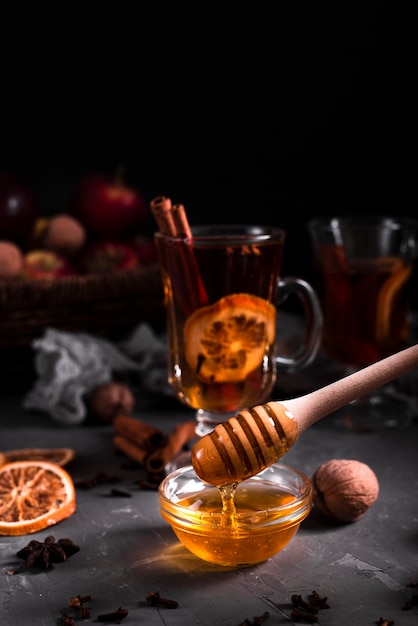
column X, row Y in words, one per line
column 70, row 365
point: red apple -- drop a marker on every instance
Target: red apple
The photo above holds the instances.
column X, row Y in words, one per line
column 107, row 256
column 108, row 208
column 46, row 264
column 17, row 209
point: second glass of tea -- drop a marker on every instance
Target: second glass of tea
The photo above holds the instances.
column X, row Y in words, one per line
column 364, row 267
column 222, row 287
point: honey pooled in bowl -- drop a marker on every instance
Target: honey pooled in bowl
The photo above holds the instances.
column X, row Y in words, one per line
column 236, row 525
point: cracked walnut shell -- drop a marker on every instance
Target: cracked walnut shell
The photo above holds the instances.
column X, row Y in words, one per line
column 344, row 489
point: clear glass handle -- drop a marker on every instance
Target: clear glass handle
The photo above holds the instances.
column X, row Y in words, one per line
column 308, row 348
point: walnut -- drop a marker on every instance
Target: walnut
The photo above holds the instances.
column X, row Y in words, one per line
column 107, row 401
column 344, row 489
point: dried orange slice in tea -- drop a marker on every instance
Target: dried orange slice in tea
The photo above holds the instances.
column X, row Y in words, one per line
column 227, row 340
column 34, row 495
column 388, row 296
column 61, row 456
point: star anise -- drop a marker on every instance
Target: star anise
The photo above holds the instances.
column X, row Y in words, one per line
column 42, row 554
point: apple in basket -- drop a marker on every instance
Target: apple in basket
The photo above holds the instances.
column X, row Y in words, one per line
column 46, row 264
column 109, row 208
column 101, row 257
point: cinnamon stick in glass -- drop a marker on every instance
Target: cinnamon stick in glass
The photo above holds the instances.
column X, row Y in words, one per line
column 172, row 221
column 161, row 208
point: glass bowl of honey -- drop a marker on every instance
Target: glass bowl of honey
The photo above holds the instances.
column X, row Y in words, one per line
column 236, row 525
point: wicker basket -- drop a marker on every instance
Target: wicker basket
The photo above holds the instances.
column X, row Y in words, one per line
column 108, row 306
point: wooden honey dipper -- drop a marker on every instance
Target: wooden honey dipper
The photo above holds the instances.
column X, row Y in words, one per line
column 254, row 439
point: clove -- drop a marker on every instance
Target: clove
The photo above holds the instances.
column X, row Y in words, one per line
column 154, row 599
column 298, row 601
column 77, row 602
column 115, row 616
column 319, row 602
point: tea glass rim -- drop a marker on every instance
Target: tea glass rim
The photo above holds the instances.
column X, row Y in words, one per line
column 335, row 221
column 210, row 234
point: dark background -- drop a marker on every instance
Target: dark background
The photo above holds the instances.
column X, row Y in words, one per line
column 269, row 112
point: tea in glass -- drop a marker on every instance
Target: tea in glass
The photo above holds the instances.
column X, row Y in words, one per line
column 365, row 304
column 364, row 267
column 221, row 289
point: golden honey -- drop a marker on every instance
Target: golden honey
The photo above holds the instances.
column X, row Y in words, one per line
column 245, row 526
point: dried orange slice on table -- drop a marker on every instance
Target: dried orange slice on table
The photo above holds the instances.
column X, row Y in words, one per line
column 61, row 456
column 227, row 340
column 34, row 495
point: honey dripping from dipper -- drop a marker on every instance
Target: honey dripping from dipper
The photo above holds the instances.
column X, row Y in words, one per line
column 256, row 438
column 240, row 448
column 244, row 445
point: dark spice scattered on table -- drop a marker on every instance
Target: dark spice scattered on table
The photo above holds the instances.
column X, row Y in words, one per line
column 307, row 610
column 316, row 600
column 95, row 480
column 68, row 620
column 119, row 493
column 115, row 616
column 260, row 619
column 78, row 602
column 154, row 599
column 298, row 601
column 42, row 554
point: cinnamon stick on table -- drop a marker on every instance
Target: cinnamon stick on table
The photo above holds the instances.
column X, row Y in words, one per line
column 181, row 435
column 130, row 449
column 140, row 433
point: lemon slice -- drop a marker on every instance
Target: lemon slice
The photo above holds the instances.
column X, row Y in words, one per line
column 227, row 340
column 386, row 299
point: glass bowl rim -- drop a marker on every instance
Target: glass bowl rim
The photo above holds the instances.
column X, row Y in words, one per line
column 292, row 512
